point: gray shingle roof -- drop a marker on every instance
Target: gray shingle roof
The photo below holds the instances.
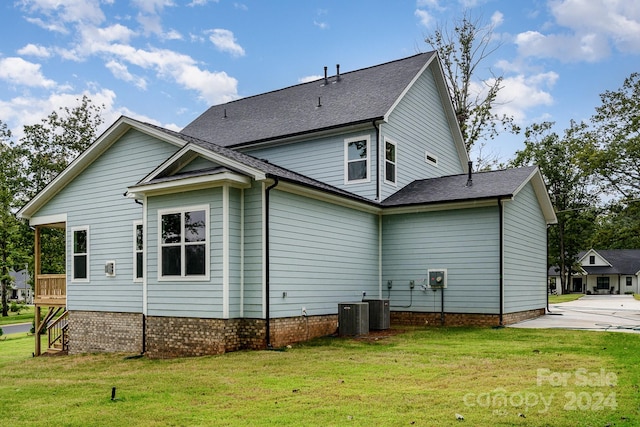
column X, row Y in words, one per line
column 453, row 188
column 623, row 261
column 360, row 96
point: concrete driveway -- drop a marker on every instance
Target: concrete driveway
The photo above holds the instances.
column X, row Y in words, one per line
column 613, row 313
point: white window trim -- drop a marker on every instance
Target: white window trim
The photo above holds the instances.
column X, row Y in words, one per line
column 366, row 138
column 207, row 260
column 136, row 251
column 73, row 253
column 395, row 162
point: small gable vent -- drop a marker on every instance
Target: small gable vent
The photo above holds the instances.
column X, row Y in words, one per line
column 430, row 158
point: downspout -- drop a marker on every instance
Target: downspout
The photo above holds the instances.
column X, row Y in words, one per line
column 501, row 225
column 266, row 258
column 377, row 160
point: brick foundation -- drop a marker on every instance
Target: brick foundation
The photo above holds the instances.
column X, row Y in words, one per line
column 95, row 332
column 168, row 337
column 407, row 318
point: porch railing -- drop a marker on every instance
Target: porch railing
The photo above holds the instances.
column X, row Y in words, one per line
column 51, row 289
column 57, row 332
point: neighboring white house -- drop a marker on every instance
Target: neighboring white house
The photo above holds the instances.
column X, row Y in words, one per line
column 603, row 271
column 21, row 289
column 249, row 227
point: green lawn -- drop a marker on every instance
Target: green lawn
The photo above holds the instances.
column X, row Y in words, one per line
column 423, row 377
column 555, row 299
column 25, row 316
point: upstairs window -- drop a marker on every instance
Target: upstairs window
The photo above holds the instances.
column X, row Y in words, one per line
column 592, row 259
column 390, row 162
column 184, row 243
column 356, row 153
column 80, row 257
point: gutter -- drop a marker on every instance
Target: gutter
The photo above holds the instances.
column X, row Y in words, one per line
column 267, row 262
column 501, row 225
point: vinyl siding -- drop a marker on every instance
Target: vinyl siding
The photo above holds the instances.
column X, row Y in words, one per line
column 464, row 241
column 320, row 255
column 322, row 159
column 253, row 252
column 525, row 253
column 419, row 124
column 186, row 298
column 95, row 199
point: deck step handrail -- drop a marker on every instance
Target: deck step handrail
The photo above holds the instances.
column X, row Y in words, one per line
column 57, row 331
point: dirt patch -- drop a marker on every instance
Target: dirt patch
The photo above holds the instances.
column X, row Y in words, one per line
column 373, row 336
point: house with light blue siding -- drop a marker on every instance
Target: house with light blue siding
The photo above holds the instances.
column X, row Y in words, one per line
column 249, row 227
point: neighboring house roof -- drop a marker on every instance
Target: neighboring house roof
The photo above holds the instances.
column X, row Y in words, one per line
column 622, row 261
column 20, row 279
column 359, row 96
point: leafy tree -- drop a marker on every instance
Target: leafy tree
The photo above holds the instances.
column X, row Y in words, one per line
column 12, row 254
column 619, row 228
column 58, row 139
column 462, row 52
column 612, row 146
column 568, row 188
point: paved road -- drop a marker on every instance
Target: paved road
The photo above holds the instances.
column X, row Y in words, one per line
column 15, row 329
column 617, row 313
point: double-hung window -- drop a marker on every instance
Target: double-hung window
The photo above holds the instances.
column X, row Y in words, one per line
column 389, row 161
column 356, row 155
column 80, row 254
column 184, row 243
column 138, row 251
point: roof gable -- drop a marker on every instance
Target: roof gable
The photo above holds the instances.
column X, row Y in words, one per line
column 615, row 261
column 355, row 97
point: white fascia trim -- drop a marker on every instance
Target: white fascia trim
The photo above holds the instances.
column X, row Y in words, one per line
column 225, row 252
column 48, row 219
column 442, row 206
column 326, row 197
column 95, row 150
column 193, row 183
column 191, row 151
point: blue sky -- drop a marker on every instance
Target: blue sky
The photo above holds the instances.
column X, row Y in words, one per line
column 166, row 61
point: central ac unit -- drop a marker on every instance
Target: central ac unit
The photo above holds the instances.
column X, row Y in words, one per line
column 353, row 318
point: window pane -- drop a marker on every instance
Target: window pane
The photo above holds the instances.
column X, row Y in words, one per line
column 79, row 266
column 357, row 170
column 194, row 226
column 80, row 242
column 139, row 238
column 390, row 172
column 391, row 152
column 195, row 259
column 357, row 150
column 139, row 265
column 171, row 261
column 171, row 228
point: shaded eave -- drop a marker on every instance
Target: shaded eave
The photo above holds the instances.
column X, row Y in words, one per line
column 95, row 150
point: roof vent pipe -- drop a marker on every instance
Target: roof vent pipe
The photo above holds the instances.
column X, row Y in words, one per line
column 337, row 72
column 469, row 179
column 325, row 75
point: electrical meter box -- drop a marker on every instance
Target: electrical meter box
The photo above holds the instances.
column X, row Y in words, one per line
column 437, row 278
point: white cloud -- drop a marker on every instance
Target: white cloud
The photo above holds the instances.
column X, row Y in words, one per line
column 521, row 93
column 497, row 18
column 121, row 72
column 425, row 18
column 307, row 79
column 320, row 24
column 87, row 11
column 590, row 28
column 564, row 47
column 17, row 71
column 25, row 110
column 225, row 41
column 35, row 50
